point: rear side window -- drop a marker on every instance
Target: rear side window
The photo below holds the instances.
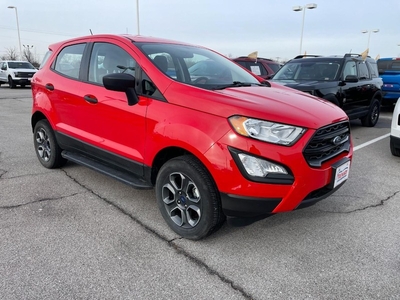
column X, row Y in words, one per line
column 373, row 68
column 69, row 60
column 363, row 72
column 45, row 58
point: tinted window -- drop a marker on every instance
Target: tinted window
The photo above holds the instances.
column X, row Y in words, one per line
column 107, row 58
column 274, row 67
column 69, row 60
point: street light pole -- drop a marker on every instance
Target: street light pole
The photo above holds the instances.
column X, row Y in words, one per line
column 303, row 8
column 19, row 38
column 369, row 34
column 137, row 17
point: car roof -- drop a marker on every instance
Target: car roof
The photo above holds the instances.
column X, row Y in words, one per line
column 330, row 57
column 133, row 38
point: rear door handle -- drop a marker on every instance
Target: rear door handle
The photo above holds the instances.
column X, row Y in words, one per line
column 49, row 86
column 90, row 98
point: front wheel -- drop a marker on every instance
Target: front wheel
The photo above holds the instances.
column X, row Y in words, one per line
column 372, row 117
column 188, row 198
column 46, row 147
column 11, row 83
column 395, row 151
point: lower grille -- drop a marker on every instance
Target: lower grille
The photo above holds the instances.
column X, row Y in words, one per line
column 326, row 143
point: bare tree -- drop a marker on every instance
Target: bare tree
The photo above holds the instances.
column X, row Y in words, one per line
column 11, row 54
column 29, row 56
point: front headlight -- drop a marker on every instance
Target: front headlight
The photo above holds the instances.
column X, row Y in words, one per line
column 271, row 132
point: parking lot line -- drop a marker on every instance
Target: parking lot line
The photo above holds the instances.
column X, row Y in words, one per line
column 371, row 142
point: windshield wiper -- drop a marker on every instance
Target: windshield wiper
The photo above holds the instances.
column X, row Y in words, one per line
column 240, row 84
column 233, row 84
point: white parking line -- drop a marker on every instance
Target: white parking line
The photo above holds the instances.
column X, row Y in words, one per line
column 371, row 142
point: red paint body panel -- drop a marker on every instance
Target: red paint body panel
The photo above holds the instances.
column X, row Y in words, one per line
column 192, row 119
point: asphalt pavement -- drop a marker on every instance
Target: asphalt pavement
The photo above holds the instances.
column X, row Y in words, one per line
column 72, row 233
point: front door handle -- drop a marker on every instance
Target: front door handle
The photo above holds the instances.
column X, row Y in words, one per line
column 90, row 98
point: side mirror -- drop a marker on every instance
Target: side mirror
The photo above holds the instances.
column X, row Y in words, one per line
column 351, row 78
column 121, row 82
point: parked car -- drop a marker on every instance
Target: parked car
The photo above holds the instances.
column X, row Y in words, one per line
column 395, row 131
column 212, row 145
column 350, row 81
column 262, row 67
column 16, row 73
column 389, row 71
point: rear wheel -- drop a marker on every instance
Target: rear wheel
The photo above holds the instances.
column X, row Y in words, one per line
column 372, row 117
column 188, row 198
column 46, row 147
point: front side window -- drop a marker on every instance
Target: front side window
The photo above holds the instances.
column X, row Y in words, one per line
column 349, row 69
column 69, row 60
column 108, row 58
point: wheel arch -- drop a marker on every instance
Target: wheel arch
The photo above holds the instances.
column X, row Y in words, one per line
column 36, row 117
column 163, row 156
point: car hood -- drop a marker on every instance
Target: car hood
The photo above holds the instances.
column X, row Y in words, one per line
column 307, row 85
column 275, row 103
column 24, row 70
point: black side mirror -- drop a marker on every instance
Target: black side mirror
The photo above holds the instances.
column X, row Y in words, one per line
column 351, row 78
column 122, row 82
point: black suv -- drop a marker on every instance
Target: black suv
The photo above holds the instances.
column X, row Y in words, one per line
column 352, row 82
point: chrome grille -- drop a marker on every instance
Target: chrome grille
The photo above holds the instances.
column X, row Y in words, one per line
column 327, row 142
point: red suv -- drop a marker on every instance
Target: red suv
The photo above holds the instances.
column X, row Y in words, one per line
column 215, row 143
column 262, row 67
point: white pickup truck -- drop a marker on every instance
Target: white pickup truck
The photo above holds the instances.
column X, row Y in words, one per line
column 16, row 73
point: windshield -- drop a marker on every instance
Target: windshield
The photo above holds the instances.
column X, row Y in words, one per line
column 388, row 65
column 196, row 66
column 306, row 70
column 20, row 65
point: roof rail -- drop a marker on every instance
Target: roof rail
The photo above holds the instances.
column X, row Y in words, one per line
column 307, row 55
column 257, row 58
column 354, row 55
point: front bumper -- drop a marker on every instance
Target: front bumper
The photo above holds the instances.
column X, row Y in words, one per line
column 241, row 197
column 26, row 81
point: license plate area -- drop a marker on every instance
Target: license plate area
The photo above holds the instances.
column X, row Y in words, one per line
column 340, row 172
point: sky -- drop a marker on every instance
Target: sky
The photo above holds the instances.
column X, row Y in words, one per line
column 231, row 27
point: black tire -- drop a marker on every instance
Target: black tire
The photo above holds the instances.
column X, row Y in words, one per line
column 372, row 117
column 395, row 151
column 188, row 198
column 11, row 83
column 46, row 147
